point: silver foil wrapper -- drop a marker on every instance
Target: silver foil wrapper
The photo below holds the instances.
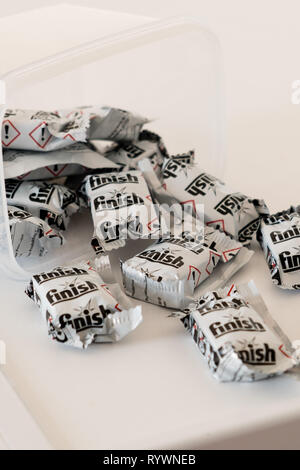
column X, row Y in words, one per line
column 44, row 131
column 53, row 203
column 149, row 145
column 231, row 212
column 237, row 336
column 73, row 160
column 168, row 272
column 279, row 236
column 80, row 309
column 122, row 208
column 117, row 125
column 30, row 235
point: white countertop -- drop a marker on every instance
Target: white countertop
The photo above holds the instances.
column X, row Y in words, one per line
column 153, row 390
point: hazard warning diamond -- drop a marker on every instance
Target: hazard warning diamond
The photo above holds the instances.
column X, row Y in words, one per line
column 40, row 135
column 212, row 262
column 219, row 224
column 189, row 205
column 194, row 274
column 24, row 175
column 229, row 253
column 56, row 170
column 152, row 225
column 69, row 136
column 9, row 133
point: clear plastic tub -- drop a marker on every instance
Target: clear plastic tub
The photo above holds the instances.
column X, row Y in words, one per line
column 166, row 70
column 169, row 71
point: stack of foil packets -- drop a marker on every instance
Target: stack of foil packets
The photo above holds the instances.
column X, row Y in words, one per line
column 199, row 233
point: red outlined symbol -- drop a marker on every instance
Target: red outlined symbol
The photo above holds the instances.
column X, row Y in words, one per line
column 217, row 222
column 91, row 268
column 284, row 353
column 230, row 290
column 9, row 133
column 55, row 170
column 106, row 288
column 194, row 274
column 40, row 135
column 229, row 251
column 70, row 137
column 211, row 259
column 191, row 202
column 150, row 226
column 23, row 176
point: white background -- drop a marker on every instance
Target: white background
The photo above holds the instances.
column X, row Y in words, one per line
column 260, row 47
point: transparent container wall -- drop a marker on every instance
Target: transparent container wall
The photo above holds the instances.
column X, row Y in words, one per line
column 167, row 71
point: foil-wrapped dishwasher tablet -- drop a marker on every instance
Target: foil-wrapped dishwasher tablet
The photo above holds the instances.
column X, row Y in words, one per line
column 237, row 336
column 279, row 236
column 79, row 308
column 168, row 272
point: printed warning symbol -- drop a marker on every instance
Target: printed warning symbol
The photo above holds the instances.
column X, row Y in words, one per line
column 189, row 206
column 56, row 170
column 9, row 133
column 230, row 253
column 194, row 275
column 152, row 225
column 69, row 136
column 24, row 175
column 219, row 224
column 212, row 262
column 40, row 135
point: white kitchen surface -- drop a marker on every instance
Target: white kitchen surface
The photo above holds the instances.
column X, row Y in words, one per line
column 153, row 390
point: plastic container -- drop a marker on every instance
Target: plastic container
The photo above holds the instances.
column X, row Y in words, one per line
column 167, row 70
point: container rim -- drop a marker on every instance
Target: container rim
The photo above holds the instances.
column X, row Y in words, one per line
column 129, row 38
